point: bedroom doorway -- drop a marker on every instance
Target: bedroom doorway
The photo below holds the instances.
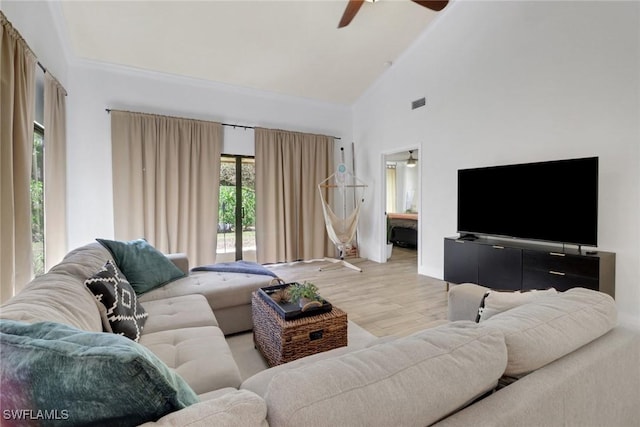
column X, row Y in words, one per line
column 402, row 192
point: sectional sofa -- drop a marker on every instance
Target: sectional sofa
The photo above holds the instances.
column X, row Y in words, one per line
column 559, row 360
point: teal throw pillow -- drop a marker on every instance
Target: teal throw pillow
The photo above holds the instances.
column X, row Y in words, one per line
column 144, row 266
column 54, row 374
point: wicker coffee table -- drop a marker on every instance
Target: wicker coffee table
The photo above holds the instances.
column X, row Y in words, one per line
column 282, row 341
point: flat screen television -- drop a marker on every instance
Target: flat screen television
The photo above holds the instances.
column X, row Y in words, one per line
column 554, row 201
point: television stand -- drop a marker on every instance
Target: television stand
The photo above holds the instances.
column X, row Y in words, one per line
column 516, row 265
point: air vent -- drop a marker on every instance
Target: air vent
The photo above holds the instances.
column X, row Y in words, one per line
column 418, row 103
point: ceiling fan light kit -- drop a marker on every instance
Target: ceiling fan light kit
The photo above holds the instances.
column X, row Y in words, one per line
column 411, row 162
column 354, row 6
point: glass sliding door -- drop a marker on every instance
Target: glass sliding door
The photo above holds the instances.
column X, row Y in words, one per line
column 236, row 209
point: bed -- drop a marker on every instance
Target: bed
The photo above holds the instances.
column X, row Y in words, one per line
column 404, row 229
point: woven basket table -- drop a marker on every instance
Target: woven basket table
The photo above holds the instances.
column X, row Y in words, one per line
column 282, row 341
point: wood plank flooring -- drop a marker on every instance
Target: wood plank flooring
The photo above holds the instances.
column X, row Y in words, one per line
column 385, row 299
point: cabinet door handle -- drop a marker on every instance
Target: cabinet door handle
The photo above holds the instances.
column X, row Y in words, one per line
column 459, row 241
column 557, row 273
column 556, row 254
column 498, row 247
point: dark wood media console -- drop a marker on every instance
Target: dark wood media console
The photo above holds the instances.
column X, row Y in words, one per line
column 512, row 265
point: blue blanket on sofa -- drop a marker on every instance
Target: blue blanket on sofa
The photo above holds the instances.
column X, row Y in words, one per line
column 246, row 267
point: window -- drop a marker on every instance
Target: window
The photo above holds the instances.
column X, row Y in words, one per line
column 37, row 200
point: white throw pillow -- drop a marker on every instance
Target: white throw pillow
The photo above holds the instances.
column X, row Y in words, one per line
column 495, row 302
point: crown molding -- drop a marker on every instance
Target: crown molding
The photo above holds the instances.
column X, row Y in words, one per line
column 92, row 64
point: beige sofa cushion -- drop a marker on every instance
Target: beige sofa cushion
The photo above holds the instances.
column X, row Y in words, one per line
column 68, row 302
column 231, row 409
column 210, row 395
column 545, row 330
column 186, row 311
column 228, row 294
column 411, row 381
column 597, row 385
column 199, row 355
column 261, row 380
column 60, row 295
column 180, row 260
column 221, row 289
column 464, row 300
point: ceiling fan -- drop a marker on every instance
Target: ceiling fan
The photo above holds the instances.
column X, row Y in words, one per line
column 354, row 6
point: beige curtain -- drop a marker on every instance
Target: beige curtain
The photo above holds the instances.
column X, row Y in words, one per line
column 166, row 174
column 289, row 221
column 17, row 110
column 55, row 172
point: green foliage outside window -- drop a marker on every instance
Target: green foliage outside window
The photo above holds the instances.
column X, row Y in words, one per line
column 37, row 195
column 37, row 201
column 228, row 174
column 227, row 206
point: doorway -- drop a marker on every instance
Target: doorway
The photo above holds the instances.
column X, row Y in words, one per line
column 402, row 201
column 236, row 209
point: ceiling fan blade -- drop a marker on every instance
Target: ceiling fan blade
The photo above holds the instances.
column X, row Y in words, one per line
column 432, row 4
column 350, row 12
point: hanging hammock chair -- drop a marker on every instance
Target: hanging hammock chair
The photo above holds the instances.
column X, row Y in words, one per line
column 342, row 229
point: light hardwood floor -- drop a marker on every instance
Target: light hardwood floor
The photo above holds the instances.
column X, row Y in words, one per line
column 385, row 299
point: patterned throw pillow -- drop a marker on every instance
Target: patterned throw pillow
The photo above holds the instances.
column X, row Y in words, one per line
column 125, row 314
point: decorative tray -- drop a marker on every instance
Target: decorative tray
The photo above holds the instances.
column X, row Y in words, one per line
column 291, row 310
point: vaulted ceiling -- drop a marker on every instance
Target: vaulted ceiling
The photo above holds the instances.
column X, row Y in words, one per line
column 288, row 47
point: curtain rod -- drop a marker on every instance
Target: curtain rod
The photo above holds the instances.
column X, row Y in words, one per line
column 44, row 70
column 108, row 110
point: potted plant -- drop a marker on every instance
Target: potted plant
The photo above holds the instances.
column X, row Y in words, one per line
column 389, row 244
column 304, row 293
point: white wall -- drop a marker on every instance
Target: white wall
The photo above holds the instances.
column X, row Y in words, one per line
column 35, row 22
column 96, row 86
column 510, row 82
